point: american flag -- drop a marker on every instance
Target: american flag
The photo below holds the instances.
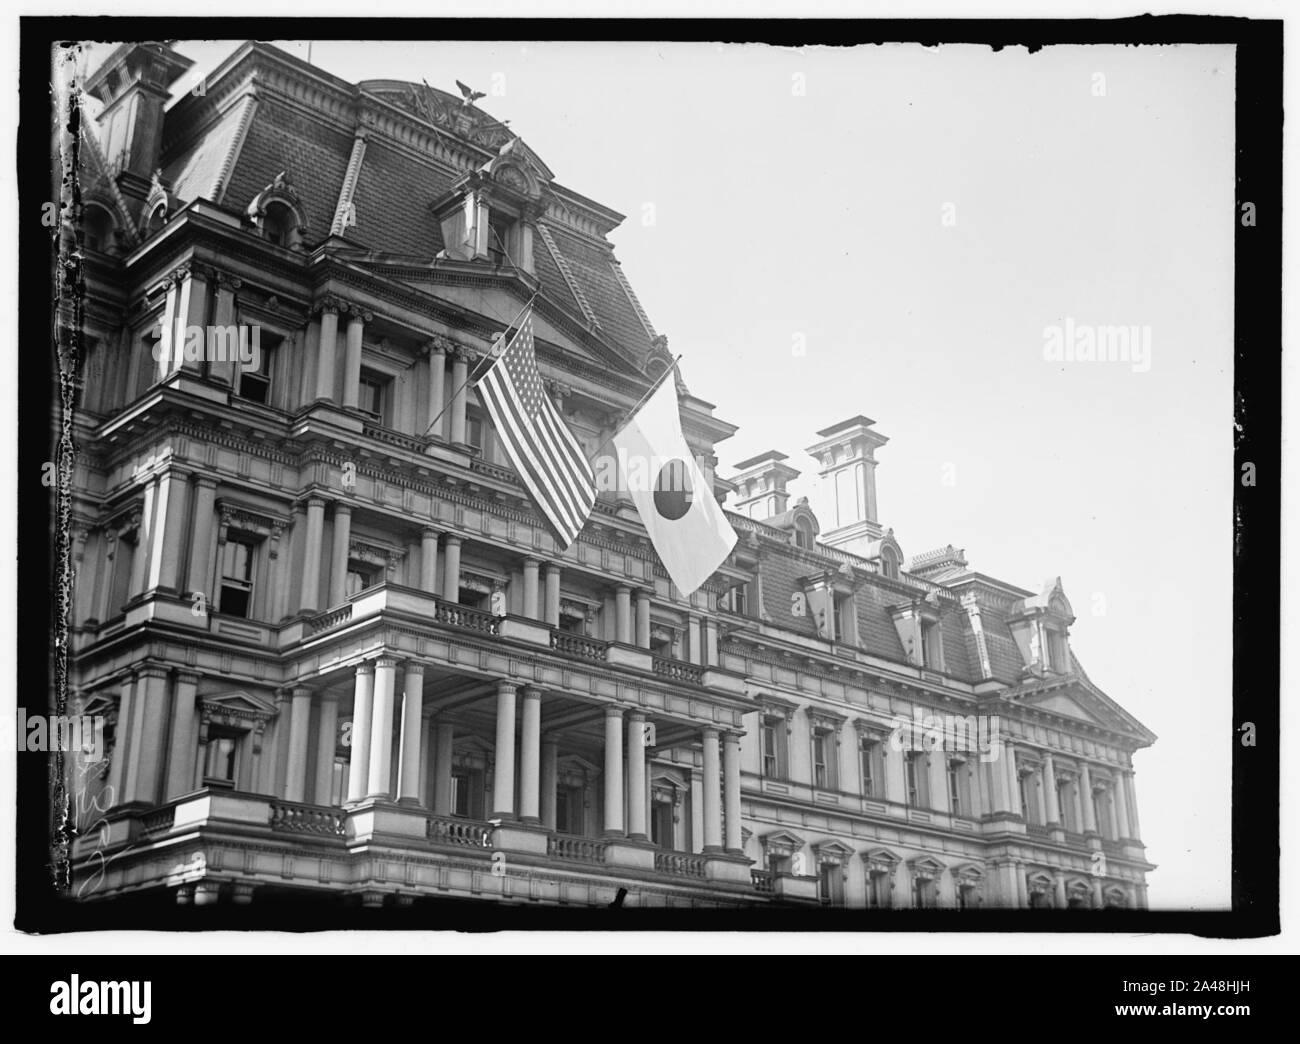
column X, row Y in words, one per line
column 542, row 449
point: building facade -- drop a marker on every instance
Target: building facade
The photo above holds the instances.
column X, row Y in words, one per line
column 341, row 655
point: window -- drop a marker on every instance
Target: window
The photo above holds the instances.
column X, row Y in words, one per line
column 845, row 625
column 931, row 645
column 460, row 794
column 661, row 645
column 879, row 891
column 573, row 624
column 958, row 787
column 1101, row 812
column 372, row 395
column 737, row 600
column 871, row 755
column 923, row 893
column 361, row 575
column 221, row 765
column 967, row 896
column 278, row 224
column 501, row 238
column 661, row 822
column 1026, row 797
column 1065, row 807
column 889, row 563
column 237, row 577
column 474, row 433
column 254, row 382
column 568, row 810
column 473, row 599
column 339, row 781
column 97, row 231
column 914, row 774
column 824, row 759
column 157, row 219
column 1058, row 652
column 772, row 739
column 830, row 884
column 803, row 534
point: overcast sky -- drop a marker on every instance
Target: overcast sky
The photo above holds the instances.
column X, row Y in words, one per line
column 889, row 230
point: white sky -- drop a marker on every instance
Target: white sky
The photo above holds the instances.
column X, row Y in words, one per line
column 757, row 216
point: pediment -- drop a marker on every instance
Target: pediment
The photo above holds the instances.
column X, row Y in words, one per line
column 238, row 701
column 1083, row 702
column 1059, row 703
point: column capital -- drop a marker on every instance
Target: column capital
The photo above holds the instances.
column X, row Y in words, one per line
column 342, row 507
column 387, row 660
column 366, row 667
column 315, row 501
column 429, row 531
column 710, row 732
column 552, row 567
column 623, row 589
column 636, row 715
column 414, row 667
column 330, row 303
column 451, row 540
column 187, row 677
column 507, row 687
column 531, row 692
column 359, row 315
column 612, row 711
column 326, row 696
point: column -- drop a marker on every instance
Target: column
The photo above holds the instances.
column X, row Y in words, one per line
column 693, row 638
column 1076, row 795
column 459, row 372
column 426, row 752
column 552, row 611
column 352, row 358
column 143, row 539
column 381, row 729
column 697, row 813
column 531, row 566
column 408, row 763
column 1130, row 793
column 122, row 742
column 1058, row 898
column 184, row 738
column 1121, row 807
column 643, row 619
column 311, row 554
column 434, row 418
column 731, row 790
column 198, row 576
column 327, row 730
column 1089, row 815
column 613, row 771
column 623, row 614
column 530, row 741
column 363, row 702
column 192, row 311
column 1013, row 781
column 712, row 794
column 710, row 641
column 895, row 774
column 338, row 577
column 451, row 569
column 144, row 759
column 636, row 811
column 295, row 781
column 1049, row 789
column 223, row 317
column 444, row 735
column 550, row 774
column 428, row 559
column 503, row 778
column 325, row 364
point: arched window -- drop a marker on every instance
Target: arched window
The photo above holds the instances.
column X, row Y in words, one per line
column 97, row 229
column 279, row 225
column 803, row 534
column 889, row 562
column 157, row 218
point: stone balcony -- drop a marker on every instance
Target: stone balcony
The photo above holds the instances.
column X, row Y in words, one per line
column 381, row 848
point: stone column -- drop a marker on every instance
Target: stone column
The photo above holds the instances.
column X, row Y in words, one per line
column 325, row 356
column 1076, row 795
column 613, row 771
column 444, row 735
column 552, row 612
column 327, row 729
column 530, row 757
column 712, row 793
column 693, row 638
column 117, row 773
column 352, row 357
column 459, row 371
column 710, row 641
column 1013, row 780
column 311, row 554
column 697, row 813
column 146, row 749
column 531, row 566
column 428, row 559
column 198, row 576
column 1121, row 807
column 436, row 416
column 362, row 707
column 550, row 774
column 503, row 782
column 731, row 790
column 636, row 811
column 1130, row 795
column 1058, row 898
column 408, row 762
column 295, row 781
column 185, row 738
column 1049, row 791
column 451, row 569
column 338, row 577
column 1089, row 814
column 381, row 729
column 168, row 529
column 623, row 614
column 643, row 619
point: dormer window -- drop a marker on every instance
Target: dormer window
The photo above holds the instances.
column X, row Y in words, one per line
column 931, row 645
column 98, row 228
column 278, row 225
column 501, row 235
column 1058, row 652
column 803, row 534
column 889, row 563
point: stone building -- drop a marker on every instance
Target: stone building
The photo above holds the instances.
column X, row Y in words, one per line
column 340, row 653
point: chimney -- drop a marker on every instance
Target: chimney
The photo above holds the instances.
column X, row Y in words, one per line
column 848, row 470
column 760, row 485
column 134, row 84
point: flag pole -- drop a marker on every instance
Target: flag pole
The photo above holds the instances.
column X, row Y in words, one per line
column 502, row 340
column 672, row 368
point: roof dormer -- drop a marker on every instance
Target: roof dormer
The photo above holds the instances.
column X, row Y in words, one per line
column 1041, row 627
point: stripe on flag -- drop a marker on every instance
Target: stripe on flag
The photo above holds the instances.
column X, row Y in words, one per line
column 549, row 460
